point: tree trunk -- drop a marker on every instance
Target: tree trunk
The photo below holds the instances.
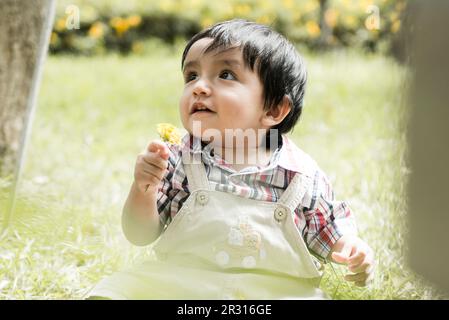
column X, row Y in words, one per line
column 326, row 31
column 21, row 25
column 428, row 131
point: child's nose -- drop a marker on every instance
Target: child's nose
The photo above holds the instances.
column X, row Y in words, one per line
column 201, row 88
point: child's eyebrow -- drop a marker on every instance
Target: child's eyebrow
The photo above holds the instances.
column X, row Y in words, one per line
column 228, row 62
column 192, row 63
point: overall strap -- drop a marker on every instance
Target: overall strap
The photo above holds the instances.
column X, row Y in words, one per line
column 296, row 190
column 195, row 171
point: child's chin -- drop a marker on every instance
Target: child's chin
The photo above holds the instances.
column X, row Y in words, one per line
column 208, row 135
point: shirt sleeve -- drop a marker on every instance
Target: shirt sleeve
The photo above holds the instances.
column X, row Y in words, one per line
column 327, row 219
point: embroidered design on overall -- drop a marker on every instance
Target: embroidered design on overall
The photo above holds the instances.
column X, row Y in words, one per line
column 243, row 246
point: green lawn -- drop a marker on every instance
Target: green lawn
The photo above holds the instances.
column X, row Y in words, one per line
column 96, row 114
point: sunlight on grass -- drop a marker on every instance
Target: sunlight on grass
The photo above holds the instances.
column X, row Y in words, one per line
column 96, row 114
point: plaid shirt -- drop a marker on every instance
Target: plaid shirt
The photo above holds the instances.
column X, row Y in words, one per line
column 320, row 218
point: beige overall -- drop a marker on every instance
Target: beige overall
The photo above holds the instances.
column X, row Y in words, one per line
column 222, row 246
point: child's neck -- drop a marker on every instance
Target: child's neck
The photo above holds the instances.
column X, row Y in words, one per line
column 241, row 158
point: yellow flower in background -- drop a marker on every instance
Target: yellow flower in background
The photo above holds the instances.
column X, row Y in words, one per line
column 396, row 26
column 242, row 9
column 206, row 22
column 54, row 38
column 350, row 21
column 169, row 133
column 60, row 24
column 134, row 20
column 265, row 19
column 313, row 29
column 331, row 17
column 96, row 30
column 311, row 5
column 289, row 4
column 120, row 25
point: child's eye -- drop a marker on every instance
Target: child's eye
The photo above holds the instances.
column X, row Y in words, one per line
column 190, row 77
column 228, row 75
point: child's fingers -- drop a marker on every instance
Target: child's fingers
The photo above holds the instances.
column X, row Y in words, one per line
column 154, row 171
column 339, row 258
column 360, row 268
column 159, row 147
column 357, row 258
column 155, row 160
column 342, row 257
column 146, row 179
column 360, row 256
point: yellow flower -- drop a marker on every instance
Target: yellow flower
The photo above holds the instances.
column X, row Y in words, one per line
column 206, row 22
column 54, row 38
column 134, row 20
column 313, row 28
column 265, row 19
column 96, row 30
column 311, row 6
column 169, row 133
column 331, row 16
column 396, row 26
column 242, row 9
column 120, row 25
column 60, row 24
column 289, row 4
column 350, row 21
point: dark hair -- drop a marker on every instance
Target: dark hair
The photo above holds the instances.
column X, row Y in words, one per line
column 277, row 62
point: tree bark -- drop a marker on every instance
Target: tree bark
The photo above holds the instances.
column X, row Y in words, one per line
column 21, row 25
column 428, row 132
column 326, row 31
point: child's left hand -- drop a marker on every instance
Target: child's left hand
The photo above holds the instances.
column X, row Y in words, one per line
column 354, row 252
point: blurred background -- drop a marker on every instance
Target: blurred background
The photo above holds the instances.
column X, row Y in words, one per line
column 114, row 72
column 314, row 24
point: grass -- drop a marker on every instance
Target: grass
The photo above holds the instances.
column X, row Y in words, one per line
column 96, row 114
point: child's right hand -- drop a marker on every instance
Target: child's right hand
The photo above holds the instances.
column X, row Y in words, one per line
column 150, row 166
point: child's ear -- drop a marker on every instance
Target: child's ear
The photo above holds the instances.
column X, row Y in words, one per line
column 275, row 115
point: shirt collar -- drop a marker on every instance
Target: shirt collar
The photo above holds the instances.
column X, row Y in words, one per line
column 287, row 156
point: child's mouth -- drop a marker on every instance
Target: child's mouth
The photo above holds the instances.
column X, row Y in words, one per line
column 203, row 112
column 200, row 108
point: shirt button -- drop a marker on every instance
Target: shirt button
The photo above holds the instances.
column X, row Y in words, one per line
column 280, row 213
column 202, row 197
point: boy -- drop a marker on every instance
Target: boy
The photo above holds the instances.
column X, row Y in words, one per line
column 250, row 208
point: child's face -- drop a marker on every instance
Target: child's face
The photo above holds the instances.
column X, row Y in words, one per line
column 220, row 82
